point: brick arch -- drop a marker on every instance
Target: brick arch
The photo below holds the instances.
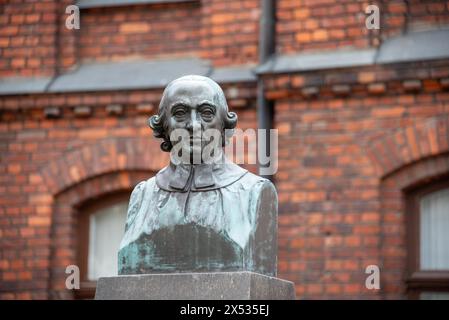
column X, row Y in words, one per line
column 64, row 236
column 105, row 156
column 406, row 145
column 90, row 172
column 393, row 222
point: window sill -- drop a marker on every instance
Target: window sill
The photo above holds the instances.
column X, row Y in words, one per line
column 86, row 291
column 87, row 4
column 426, row 279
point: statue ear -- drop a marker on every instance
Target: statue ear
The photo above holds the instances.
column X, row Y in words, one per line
column 229, row 124
column 156, row 123
column 231, row 121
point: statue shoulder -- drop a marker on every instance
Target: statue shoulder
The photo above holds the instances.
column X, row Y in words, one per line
column 137, row 191
column 258, row 184
column 136, row 199
column 263, row 192
column 140, row 188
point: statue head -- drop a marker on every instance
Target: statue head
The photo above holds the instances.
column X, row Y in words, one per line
column 194, row 104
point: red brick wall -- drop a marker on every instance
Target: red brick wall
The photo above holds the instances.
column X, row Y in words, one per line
column 340, row 154
column 27, row 38
column 393, row 18
column 400, row 15
column 143, row 30
column 424, row 13
column 33, row 146
column 320, row 24
column 230, row 30
column 351, row 140
column 225, row 32
column 35, row 42
column 327, row 24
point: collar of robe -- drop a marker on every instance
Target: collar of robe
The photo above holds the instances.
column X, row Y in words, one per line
column 200, row 177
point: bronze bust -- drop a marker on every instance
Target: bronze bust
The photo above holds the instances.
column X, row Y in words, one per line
column 199, row 216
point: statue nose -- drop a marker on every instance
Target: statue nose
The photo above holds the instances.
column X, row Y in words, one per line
column 194, row 123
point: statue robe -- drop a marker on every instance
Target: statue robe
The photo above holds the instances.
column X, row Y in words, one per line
column 201, row 218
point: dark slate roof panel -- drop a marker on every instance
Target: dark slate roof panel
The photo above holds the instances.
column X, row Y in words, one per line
column 23, row 85
column 136, row 74
column 85, row 4
column 234, row 74
column 318, row 61
column 426, row 45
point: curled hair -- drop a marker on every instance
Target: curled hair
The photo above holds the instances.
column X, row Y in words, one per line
column 229, row 123
column 158, row 122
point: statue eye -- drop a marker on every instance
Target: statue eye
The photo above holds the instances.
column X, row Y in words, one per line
column 207, row 113
column 179, row 113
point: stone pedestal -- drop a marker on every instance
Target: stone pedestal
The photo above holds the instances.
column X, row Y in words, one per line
column 195, row 286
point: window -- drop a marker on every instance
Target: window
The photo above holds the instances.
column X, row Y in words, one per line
column 428, row 240
column 101, row 228
column 434, row 228
column 106, row 227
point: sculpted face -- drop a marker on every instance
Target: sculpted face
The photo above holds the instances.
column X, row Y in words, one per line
column 193, row 107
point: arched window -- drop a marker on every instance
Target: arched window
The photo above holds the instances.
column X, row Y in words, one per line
column 100, row 230
column 428, row 241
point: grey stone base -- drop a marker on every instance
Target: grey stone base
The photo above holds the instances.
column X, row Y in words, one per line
column 195, row 286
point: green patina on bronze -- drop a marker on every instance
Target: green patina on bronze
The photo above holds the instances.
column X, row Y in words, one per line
column 182, row 247
column 199, row 217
